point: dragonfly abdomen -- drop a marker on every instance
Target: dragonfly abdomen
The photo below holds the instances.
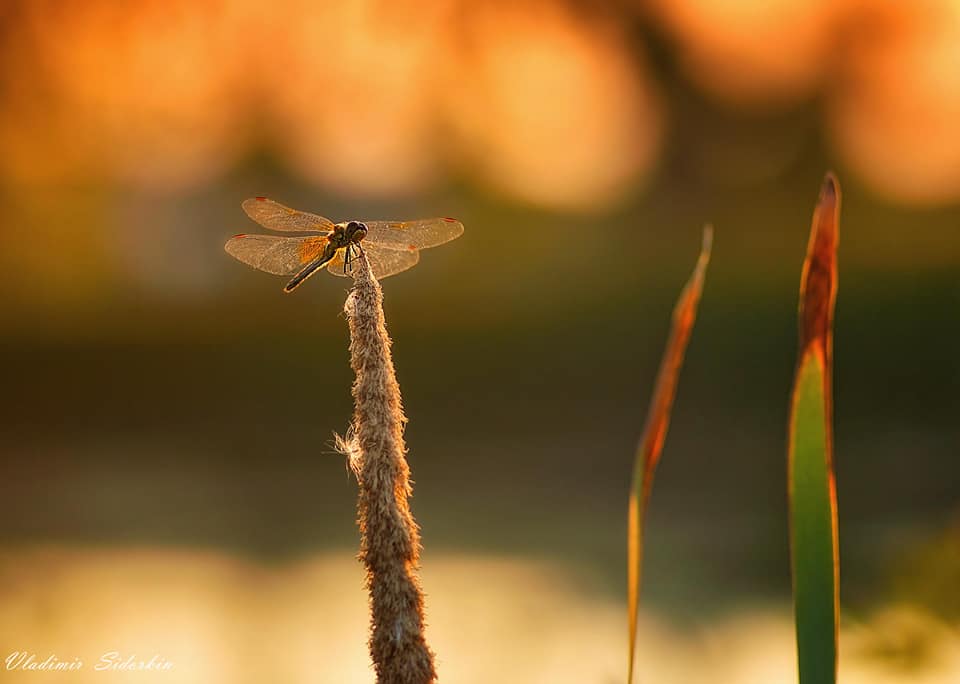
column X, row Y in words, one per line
column 309, row 270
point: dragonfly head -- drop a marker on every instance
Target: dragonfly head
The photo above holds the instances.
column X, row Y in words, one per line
column 356, row 231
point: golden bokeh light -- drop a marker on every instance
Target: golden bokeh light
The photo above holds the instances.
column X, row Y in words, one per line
column 552, row 107
column 895, row 116
column 352, row 90
column 355, row 94
column 753, row 51
column 149, row 89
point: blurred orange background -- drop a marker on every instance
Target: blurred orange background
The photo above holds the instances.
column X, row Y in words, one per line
column 167, row 413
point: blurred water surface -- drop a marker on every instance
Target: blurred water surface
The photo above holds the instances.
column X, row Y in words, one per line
column 215, row 617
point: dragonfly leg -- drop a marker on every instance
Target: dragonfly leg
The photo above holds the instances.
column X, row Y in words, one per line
column 348, row 259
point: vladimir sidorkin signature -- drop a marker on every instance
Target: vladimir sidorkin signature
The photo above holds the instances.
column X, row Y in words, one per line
column 108, row 661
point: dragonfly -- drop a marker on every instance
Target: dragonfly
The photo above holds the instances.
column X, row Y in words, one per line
column 389, row 246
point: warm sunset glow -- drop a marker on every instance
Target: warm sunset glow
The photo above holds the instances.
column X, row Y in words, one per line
column 353, row 92
column 553, row 107
column 550, row 106
column 753, row 50
column 150, row 92
column 896, row 116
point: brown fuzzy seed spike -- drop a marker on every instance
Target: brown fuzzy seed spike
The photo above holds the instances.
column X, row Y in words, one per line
column 390, row 538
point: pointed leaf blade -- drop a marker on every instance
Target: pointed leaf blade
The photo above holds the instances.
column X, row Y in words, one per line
column 655, row 431
column 811, row 482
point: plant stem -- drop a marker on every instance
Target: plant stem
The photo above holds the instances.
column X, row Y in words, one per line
column 390, row 538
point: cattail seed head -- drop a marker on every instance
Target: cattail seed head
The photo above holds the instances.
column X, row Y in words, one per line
column 390, row 538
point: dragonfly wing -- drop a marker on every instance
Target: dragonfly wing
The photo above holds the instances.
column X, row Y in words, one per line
column 275, row 254
column 411, row 235
column 383, row 262
column 275, row 216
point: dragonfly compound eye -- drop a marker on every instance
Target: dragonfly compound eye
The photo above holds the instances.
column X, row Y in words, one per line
column 356, row 230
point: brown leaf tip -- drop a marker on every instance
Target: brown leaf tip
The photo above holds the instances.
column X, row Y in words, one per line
column 706, row 246
column 818, row 284
column 828, row 191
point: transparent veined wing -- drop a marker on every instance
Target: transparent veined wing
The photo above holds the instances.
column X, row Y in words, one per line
column 383, row 262
column 275, row 254
column 275, row 216
column 411, row 235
